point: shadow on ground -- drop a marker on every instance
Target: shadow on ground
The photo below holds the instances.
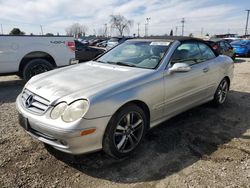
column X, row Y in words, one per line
column 171, row 146
column 9, row 90
column 241, row 60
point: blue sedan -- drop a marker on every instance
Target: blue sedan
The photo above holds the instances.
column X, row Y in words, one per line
column 242, row 47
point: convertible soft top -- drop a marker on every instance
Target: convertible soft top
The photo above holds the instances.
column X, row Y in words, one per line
column 172, row 39
column 167, row 38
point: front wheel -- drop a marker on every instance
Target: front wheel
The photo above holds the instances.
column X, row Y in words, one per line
column 124, row 131
column 221, row 92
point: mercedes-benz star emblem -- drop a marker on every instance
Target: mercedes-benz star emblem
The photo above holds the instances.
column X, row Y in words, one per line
column 29, row 101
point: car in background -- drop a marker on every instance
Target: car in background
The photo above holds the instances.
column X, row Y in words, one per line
column 102, row 44
column 242, row 47
column 114, row 41
column 111, row 102
column 221, row 46
column 231, row 39
column 86, row 53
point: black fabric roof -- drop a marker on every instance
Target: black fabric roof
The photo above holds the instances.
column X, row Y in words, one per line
column 168, row 38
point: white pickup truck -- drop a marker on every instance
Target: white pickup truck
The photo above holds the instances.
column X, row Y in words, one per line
column 31, row 55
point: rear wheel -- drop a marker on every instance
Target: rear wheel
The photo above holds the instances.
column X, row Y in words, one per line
column 125, row 131
column 233, row 57
column 221, row 92
column 34, row 67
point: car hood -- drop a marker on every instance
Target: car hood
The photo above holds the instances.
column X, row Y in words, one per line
column 86, row 79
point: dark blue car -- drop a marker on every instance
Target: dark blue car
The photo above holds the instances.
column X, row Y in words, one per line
column 241, row 47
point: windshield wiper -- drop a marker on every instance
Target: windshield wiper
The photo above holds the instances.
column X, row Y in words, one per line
column 121, row 63
column 100, row 61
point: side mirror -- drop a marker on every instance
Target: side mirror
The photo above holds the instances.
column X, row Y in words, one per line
column 180, row 67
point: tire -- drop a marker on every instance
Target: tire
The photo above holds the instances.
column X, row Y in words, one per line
column 233, row 57
column 122, row 138
column 35, row 67
column 221, row 92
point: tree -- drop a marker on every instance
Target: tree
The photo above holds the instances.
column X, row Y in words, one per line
column 171, row 32
column 49, row 34
column 191, row 35
column 76, row 30
column 120, row 23
column 16, row 31
column 207, row 35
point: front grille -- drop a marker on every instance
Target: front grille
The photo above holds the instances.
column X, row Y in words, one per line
column 34, row 103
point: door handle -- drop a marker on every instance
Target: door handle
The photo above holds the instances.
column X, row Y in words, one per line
column 206, row 69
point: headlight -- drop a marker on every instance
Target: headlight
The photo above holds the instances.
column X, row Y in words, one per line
column 75, row 111
column 58, row 110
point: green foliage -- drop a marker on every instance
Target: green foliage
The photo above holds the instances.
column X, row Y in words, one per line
column 16, row 31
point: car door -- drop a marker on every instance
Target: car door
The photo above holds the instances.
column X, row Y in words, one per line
column 213, row 73
column 185, row 89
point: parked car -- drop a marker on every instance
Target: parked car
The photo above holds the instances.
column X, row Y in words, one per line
column 110, row 103
column 31, row 55
column 115, row 41
column 102, row 44
column 87, row 53
column 242, row 47
column 80, row 45
column 221, row 46
column 231, row 39
column 93, row 42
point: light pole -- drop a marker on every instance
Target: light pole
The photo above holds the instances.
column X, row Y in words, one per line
column 247, row 22
column 146, row 26
column 183, row 22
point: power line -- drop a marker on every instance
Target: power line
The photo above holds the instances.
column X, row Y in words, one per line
column 247, row 21
column 182, row 22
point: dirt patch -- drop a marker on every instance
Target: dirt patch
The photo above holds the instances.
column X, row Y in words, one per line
column 203, row 147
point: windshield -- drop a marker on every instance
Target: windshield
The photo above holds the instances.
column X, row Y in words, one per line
column 136, row 54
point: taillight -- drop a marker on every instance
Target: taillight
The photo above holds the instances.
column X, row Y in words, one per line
column 71, row 45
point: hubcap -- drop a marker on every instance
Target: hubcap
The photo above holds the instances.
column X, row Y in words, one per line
column 222, row 92
column 37, row 69
column 128, row 132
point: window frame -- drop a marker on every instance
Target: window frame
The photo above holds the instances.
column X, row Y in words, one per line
column 197, row 43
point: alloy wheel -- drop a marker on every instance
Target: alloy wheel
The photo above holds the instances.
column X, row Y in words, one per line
column 222, row 92
column 128, row 132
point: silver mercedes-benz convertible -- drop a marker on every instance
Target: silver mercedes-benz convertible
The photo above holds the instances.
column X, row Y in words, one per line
column 111, row 102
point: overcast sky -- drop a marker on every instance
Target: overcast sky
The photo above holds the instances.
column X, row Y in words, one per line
column 214, row 16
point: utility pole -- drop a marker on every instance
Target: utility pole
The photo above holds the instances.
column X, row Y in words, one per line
column 182, row 22
column 138, row 34
column 2, row 29
column 176, row 29
column 41, row 29
column 106, row 30
column 247, row 22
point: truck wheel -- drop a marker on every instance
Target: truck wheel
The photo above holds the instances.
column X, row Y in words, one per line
column 34, row 67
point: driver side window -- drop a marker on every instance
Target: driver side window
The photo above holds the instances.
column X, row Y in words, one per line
column 186, row 53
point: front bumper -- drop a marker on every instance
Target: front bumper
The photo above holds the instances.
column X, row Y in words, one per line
column 66, row 139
